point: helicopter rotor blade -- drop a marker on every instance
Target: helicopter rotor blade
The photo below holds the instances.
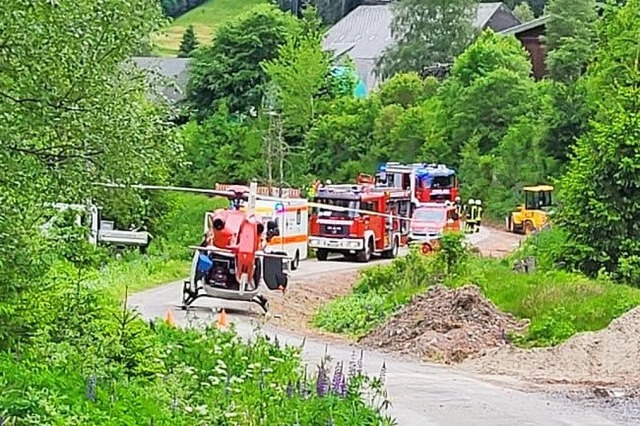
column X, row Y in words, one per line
column 172, row 188
column 339, row 208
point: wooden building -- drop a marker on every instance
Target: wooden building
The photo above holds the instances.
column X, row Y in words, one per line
column 531, row 36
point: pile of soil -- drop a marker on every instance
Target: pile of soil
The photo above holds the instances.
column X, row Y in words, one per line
column 604, row 358
column 445, row 325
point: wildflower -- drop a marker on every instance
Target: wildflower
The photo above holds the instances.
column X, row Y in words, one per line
column 289, row 389
column 359, row 370
column 337, row 378
column 383, row 372
column 343, row 387
column 91, row 388
column 276, row 342
column 352, row 366
column 322, row 382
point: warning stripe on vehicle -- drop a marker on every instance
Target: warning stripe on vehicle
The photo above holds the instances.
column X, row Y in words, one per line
column 288, row 240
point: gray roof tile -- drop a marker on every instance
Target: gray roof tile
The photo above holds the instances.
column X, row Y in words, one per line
column 365, row 32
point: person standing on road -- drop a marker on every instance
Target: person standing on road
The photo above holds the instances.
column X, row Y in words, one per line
column 478, row 220
column 470, row 216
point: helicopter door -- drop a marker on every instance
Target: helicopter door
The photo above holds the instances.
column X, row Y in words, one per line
column 274, row 276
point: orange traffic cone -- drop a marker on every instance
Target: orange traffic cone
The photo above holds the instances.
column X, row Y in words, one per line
column 169, row 318
column 222, row 319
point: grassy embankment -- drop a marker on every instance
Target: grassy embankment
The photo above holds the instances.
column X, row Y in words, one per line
column 206, row 19
column 558, row 303
column 169, row 257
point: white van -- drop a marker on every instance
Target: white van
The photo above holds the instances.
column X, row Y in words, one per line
column 292, row 217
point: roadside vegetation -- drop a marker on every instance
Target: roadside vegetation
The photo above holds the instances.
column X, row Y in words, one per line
column 70, row 351
column 557, row 302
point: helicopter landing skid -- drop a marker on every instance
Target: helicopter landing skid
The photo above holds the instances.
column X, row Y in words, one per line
column 190, row 295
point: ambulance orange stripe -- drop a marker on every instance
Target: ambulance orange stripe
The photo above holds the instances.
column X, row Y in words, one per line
column 288, row 240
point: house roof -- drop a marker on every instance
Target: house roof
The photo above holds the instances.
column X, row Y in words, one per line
column 365, row 33
column 169, row 75
column 534, row 23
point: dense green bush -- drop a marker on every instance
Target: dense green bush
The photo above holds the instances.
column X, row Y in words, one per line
column 379, row 292
column 558, row 303
column 104, row 365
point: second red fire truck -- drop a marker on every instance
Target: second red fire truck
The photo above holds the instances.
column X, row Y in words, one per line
column 368, row 225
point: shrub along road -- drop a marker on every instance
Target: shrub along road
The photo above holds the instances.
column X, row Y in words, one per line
column 421, row 394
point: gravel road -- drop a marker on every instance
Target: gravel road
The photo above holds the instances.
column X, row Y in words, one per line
column 421, row 394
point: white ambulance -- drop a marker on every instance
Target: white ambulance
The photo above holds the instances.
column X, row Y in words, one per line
column 292, row 217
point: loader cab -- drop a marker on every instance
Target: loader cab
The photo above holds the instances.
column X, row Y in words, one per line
column 533, row 214
column 538, row 197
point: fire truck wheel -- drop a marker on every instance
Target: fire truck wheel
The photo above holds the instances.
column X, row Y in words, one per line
column 392, row 253
column 322, row 254
column 365, row 254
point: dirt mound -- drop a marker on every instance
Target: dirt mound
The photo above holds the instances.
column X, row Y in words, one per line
column 445, row 325
column 605, row 357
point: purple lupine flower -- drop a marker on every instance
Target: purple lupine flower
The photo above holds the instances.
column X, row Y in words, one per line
column 322, row 383
column 91, row 388
column 359, row 370
column 289, row 389
column 383, row 372
column 343, row 387
column 337, row 378
column 276, row 342
column 352, row 366
column 1, row 421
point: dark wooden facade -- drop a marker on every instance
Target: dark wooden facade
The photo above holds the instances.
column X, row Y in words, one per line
column 532, row 41
column 531, row 36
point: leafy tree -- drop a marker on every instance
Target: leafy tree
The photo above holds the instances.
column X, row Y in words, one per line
column 601, row 199
column 341, row 143
column 426, row 32
column 494, row 65
column 229, row 70
column 407, row 89
column 221, row 150
column 297, row 75
column 570, row 38
column 72, row 115
column 523, row 12
column 189, row 42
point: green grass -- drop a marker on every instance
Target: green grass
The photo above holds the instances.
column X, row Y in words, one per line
column 559, row 304
column 169, row 257
column 206, row 19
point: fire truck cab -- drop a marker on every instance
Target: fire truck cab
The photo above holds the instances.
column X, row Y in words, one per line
column 358, row 234
column 431, row 220
column 428, row 183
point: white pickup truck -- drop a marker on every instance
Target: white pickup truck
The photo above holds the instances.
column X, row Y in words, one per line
column 101, row 231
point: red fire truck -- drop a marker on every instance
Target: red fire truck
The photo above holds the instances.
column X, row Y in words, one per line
column 428, row 183
column 356, row 232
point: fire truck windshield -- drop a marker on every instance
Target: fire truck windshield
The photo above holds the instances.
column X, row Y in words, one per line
column 350, row 204
column 430, row 215
column 437, row 182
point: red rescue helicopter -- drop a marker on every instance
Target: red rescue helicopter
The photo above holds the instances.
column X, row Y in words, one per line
column 230, row 263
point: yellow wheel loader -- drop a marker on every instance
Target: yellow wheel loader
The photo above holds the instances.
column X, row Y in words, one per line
column 533, row 215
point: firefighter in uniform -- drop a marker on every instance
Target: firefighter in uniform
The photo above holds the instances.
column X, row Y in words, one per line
column 311, row 192
column 458, row 203
column 478, row 220
column 470, row 216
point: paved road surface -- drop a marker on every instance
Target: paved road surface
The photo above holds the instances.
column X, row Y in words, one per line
column 422, row 394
